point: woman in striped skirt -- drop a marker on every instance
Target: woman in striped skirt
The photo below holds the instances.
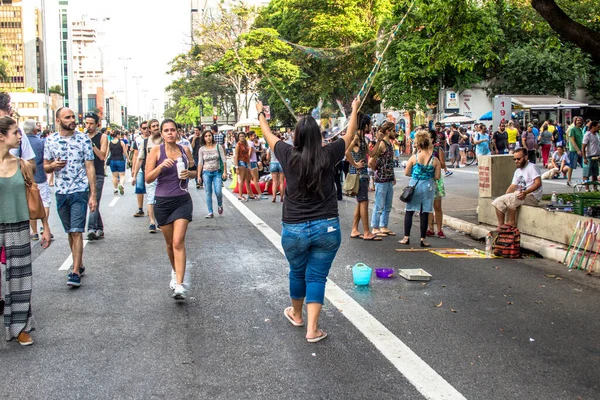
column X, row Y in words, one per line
column 14, row 238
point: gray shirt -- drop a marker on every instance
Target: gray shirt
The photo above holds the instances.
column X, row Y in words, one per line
column 593, row 147
column 546, row 137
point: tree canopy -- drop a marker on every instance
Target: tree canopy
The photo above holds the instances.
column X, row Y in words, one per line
column 295, row 52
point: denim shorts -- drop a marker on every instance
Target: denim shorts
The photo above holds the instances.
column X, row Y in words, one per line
column 117, row 165
column 72, row 210
column 253, row 165
column 275, row 167
column 310, row 248
column 574, row 159
column 140, row 185
column 242, row 164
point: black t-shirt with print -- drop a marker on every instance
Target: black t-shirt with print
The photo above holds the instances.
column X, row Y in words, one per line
column 297, row 208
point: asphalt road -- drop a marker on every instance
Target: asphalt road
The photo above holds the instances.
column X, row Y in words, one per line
column 514, row 333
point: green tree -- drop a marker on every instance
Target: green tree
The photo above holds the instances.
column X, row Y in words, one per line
column 438, row 47
column 351, row 25
column 56, row 89
column 4, row 66
column 583, row 33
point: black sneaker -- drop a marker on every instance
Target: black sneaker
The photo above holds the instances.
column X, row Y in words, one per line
column 92, row 235
column 152, row 228
column 74, row 280
column 140, row 213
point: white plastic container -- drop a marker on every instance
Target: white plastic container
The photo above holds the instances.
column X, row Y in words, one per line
column 180, row 167
column 416, row 274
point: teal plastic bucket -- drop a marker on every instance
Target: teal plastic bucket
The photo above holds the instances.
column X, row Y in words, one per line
column 361, row 274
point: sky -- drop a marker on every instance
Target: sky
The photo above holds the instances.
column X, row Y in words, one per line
column 150, row 33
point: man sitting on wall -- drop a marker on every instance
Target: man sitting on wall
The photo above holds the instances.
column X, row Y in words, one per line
column 526, row 189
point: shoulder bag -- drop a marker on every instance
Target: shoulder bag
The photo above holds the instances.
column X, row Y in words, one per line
column 409, row 191
column 221, row 165
column 351, row 183
column 34, row 200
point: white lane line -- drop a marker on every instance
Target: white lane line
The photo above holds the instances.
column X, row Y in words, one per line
column 546, row 181
column 424, row 378
column 114, row 201
column 69, row 261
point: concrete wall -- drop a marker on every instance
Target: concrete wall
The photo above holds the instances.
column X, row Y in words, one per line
column 495, row 174
column 535, row 221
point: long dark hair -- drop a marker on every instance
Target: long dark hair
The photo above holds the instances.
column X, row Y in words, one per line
column 364, row 125
column 6, row 123
column 308, row 158
column 202, row 141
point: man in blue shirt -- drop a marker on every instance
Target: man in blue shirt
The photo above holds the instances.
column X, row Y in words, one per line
column 30, row 129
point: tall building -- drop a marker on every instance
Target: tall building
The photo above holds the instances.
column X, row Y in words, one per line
column 66, row 70
column 87, row 64
column 21, row 37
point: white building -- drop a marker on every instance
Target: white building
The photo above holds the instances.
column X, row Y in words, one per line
column 32, row 106
column 87, row 67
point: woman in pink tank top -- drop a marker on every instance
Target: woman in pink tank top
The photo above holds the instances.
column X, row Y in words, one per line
column 174, row 207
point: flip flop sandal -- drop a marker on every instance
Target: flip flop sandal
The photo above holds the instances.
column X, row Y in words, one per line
column 381, row 234
column 359, row 236
column 374, row 239
column 316, row 339
column 297, row 324
column 389, row 233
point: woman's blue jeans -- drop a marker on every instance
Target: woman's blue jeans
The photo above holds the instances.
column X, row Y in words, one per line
column 384, row 194
column 213, row 178
column 310, row 248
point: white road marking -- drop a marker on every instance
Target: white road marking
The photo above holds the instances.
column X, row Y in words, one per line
column 69, row 261
column 428, row 382
column 114, row 201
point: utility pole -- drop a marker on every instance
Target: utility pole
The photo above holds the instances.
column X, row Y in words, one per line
column 137, row 85
column 125, row 60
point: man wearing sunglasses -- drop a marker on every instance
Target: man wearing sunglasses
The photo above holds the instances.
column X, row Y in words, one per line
column 526, row 189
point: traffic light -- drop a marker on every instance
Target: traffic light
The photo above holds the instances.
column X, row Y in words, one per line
column 80, row 115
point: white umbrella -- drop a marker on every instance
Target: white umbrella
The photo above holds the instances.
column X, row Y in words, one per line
column 247, row 122
column 457, row 119
column 226, row 128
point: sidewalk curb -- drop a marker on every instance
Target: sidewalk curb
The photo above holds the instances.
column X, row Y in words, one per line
column 545, row 248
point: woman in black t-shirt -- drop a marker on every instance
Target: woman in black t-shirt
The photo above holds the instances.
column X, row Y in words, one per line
column 311, row 233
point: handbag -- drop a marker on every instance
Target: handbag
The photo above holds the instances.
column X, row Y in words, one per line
column 221, row 165
column 409, row 191
column 351, row 184
column 32, row 192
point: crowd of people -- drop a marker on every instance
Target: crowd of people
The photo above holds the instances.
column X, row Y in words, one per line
column 306, row 167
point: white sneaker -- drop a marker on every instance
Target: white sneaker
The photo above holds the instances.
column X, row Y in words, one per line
column 187, row 281
column 173, row 282
column 179, row 292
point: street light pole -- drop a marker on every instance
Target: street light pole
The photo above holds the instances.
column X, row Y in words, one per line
column 137, row 85
column 125, row 59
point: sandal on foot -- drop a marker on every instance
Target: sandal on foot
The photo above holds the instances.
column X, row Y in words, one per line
column 374, row 238
column 404, row 241
column 359, row 236
column 425, row 244
column 289, row 318
column 322, row 335
column 389, row 233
